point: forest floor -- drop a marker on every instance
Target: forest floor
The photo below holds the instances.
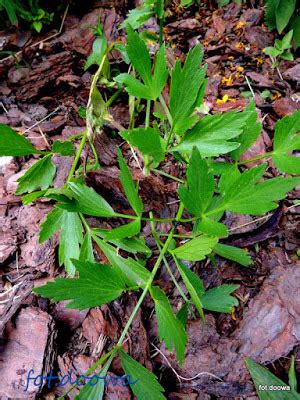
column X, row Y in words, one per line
column 39, row 96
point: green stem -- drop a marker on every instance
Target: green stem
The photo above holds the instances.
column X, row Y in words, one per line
column 158, row 243
column 147, row 122
column 166, row 109
column 161, row 25
column 73, row 137
column 148, row 109
column 149, row 282
column 114, row 97
column 159, row 172
column 255, row 158
column 94, row 152
column 77, row 157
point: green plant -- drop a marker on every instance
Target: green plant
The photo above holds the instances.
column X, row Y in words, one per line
column 265, row 382
column 281, row 14
column 281, row 50
column 210, row 187
column 31, row 12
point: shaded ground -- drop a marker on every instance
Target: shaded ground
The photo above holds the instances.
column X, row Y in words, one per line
column 49, row 85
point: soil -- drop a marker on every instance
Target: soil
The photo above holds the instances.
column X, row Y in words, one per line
column 40, row 95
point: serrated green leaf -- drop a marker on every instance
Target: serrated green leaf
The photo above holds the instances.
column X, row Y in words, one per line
column 196, row 249
column 200, row 185
column 139, row 55
column 29, row 198
column 194, row 285
column 86, row 249
column 13, row 144
column 137, row 51
column 262, row 377
column 147, row 140
column 63, row 148
column 39, row 176
column 70, row 238
column 87, row 201
column 98, row 52
column 131, row 245
column 133, row 86
column 213, row 133
column 137, row 16
column 51, row 224
column 284, row 11
column 186, row 83
column 229, row 175
column 130, row 189
column 211, row 228
column 287, row 140
column 170, row 329
column 250, row 133
column 92, row 390
column 219, row 299
column 124, row 231
column 145, row 384
column 245, row 196
column 97, row 284
column 233, row 253
column 132, row 271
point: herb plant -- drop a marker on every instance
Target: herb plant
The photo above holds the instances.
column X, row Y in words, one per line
column 209, row 150
column 280, row 50
column 30, row 11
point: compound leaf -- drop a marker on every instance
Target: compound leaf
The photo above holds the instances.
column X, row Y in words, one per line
column 139, row 56
column 124, row 231
column 130, row 189
column 186, row 83
column 219, row 299
column 97, row 284
column 250, row 132
column 286, row 140
column 133, row 272
column 196, row 249
column 51, row 224
column 170, row 329
column 87, row 201
column 144, row 383
column 39, row 176
column 13, row 144
column 246, row 196
column 63, row 148
column 193, row 284
column 70, row 239
column 213, row 133
column 86, row 249
column 147, row 140
column 200, row 185
column 233, row 253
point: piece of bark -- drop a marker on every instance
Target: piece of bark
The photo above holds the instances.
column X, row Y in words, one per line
column 71, row 318
column 15, row 299
column 293, row 73
column 27, row 345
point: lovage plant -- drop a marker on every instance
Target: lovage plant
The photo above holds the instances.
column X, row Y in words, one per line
column 209, row 150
